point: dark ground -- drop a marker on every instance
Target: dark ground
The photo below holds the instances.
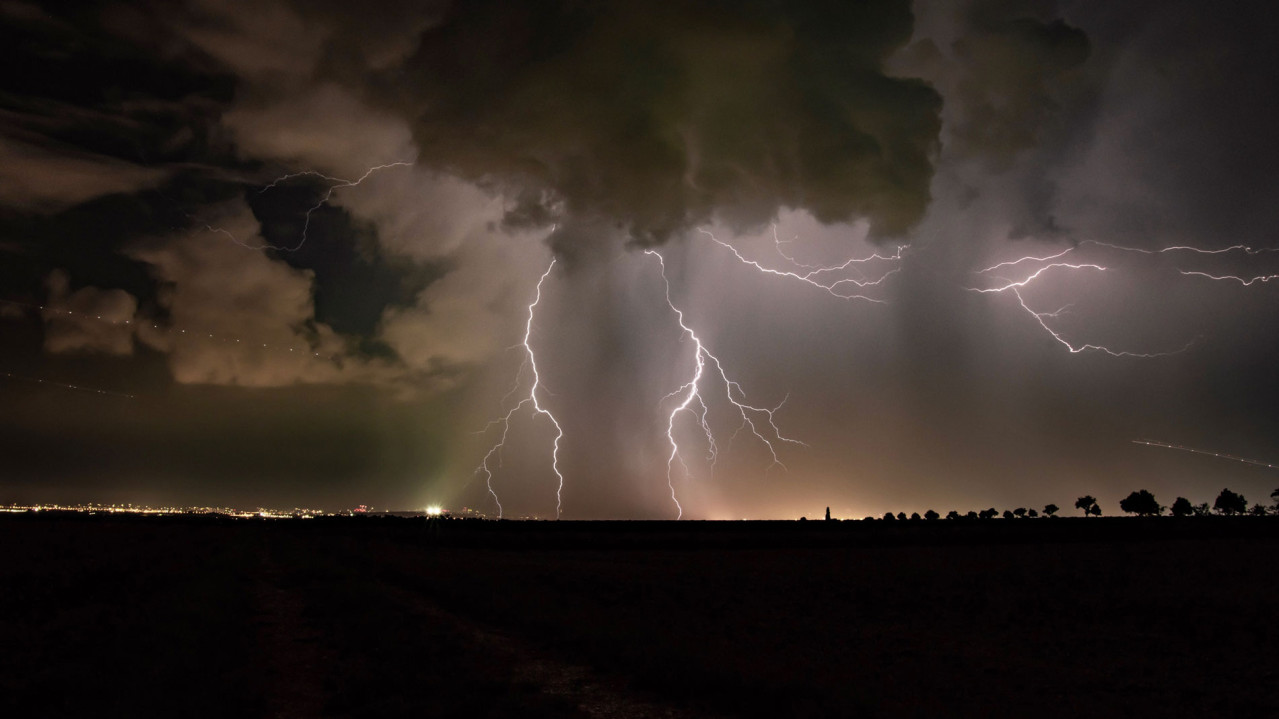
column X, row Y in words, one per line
column 382, row 617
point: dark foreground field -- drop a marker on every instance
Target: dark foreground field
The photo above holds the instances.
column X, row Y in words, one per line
column 1070, row 617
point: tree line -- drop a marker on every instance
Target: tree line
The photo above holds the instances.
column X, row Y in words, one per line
column 1141, row 503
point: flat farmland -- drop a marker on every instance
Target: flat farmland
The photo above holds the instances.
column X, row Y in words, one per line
column 398, row 617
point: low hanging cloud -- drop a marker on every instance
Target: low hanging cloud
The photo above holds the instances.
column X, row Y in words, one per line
column 89, row 320
column 419, row 216
column 236, row 317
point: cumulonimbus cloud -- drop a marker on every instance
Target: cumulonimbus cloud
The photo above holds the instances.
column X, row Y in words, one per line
column 660, row 117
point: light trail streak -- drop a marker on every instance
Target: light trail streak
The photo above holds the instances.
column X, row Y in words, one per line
column 695, row 404
column 1206, row 453
column 817, row 275
column 338, row 183
column 530, row 361
column 191, row 332
column 64, row 385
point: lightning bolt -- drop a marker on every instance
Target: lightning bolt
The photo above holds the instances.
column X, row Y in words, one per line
column 1053, row 262
column 825, row 278
column 694, row 403
column 337, row 184
column 1232, row 278
column 1043, row 317
column 1206, row 453
column 530, row 362
column 1164, row 250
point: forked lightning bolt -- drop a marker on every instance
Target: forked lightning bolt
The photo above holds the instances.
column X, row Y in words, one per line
column 691, row 401
column 338, row 183
column 1052, row 263
column 530, row 362
column 1043, row 317
column 826, row 278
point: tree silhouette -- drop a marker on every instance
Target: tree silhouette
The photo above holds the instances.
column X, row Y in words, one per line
column 1182, row 507
column 1201, row 509
column 1095, row 510
column 1020, row 512
column 952, row 514
column 989, row 513
column 1032, row 514
column 1086, row 503
column 1230, row 503
column 1258, row 510
column 1141, row 503
column 1050, row 509
column 972, row 515
column 1008, row 514
column 889, row 516
column 930, row 514
column 1275, row 496
column 902, row 516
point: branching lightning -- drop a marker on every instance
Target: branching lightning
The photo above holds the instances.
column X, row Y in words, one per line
column 1051, row 262
column 694, row 403
column 825, row 278
column 1164, row 250
column 530, row 362
column 1206, row 453
column 1043, row 317
column 337, row 184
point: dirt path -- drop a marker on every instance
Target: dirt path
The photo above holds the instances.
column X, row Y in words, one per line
column 289, row 647
column 594, row 694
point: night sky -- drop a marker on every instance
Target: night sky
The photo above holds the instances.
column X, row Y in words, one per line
column 274, row 253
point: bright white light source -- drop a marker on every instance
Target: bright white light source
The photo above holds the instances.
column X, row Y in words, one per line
column 434, row 510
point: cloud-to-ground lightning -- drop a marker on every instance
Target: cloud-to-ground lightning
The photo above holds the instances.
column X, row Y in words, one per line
column 530, row 362
column 1206, row 453
column 827, row 278
column 1053, row 262
column 692, row 401
column 337, row 184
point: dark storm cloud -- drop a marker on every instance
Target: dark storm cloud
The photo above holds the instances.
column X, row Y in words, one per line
column 1019, row 90
column 1184, row 148
column 1016, row 72
column 658, row 117
column 127, row 127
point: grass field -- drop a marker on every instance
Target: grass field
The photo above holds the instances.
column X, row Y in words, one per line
column 1070, row 617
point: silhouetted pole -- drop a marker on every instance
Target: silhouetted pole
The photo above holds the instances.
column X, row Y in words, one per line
column 828, row 514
